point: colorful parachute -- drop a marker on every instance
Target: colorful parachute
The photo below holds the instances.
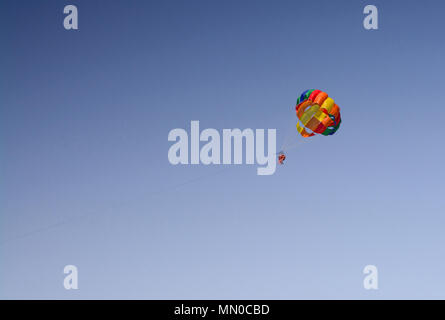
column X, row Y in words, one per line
column 317, row 112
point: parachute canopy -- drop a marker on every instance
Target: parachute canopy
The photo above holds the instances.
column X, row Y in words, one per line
column 317, row 112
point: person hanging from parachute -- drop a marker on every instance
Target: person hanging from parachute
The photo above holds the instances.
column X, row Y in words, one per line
column 316, row 112
column 281, row 157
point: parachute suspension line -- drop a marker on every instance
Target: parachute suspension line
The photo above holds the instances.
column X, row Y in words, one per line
column 300, row 141
column 290, row 136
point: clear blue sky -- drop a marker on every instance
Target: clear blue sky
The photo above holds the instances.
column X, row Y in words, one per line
column 85, row 179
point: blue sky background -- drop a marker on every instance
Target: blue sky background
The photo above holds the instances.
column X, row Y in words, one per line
column 85, row 179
